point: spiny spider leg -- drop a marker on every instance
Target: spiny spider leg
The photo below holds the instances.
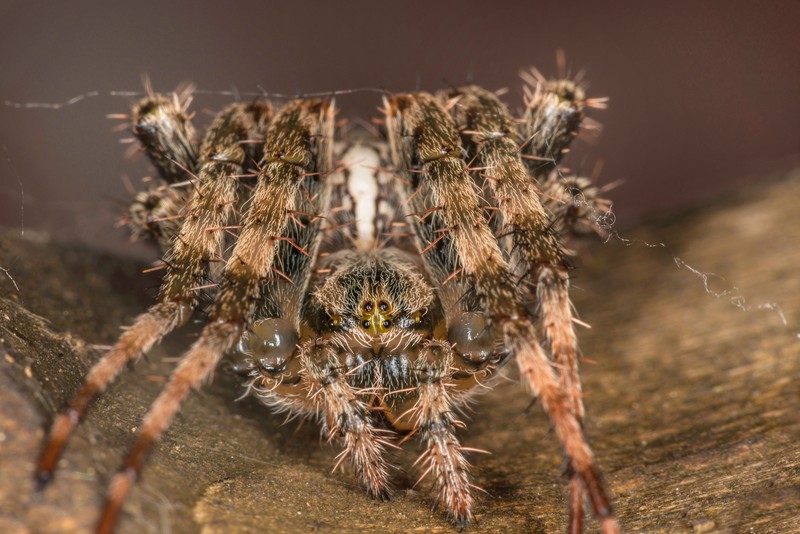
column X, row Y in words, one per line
column 347, row 415
column 426, row 150
column 222, row 157
column 436, row 421
column 489, row 131
column 555, row 113
column 166, row 133
column 298, row 146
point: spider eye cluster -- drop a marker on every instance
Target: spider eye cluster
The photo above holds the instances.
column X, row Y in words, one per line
column 376, row 316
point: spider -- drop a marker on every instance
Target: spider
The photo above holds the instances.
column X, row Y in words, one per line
column 377, row 295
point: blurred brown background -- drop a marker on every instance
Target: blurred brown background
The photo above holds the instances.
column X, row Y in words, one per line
column 704, row 96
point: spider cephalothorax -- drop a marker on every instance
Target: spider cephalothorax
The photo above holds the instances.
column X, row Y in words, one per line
column 375, row 300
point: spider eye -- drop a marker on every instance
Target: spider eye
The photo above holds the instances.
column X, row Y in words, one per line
column 376, row 316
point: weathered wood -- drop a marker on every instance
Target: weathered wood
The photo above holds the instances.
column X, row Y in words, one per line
column 692, row 407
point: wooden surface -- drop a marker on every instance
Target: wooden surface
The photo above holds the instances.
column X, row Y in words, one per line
column 692, row 404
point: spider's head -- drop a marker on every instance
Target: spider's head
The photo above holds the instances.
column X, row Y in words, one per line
column 374, row 293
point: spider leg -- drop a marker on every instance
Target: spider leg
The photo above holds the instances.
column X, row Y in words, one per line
column 487, row 127
column 222, row 158
column 555, row 310
column 437, row 423
column 554, row 116
column 554, row 112
column 164, row 130
column 427, row 149
column 316, row 380
column 347, row 415
column 298, row 147
column 166, row 133
column 157, row 214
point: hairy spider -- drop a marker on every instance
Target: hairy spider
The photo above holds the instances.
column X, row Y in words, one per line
column 373, row 299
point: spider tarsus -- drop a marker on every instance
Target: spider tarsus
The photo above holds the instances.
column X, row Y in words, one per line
column 62, row 427
column 41, row 480
column 118, row 490
column 382, row 494
column 462, row 522
column 575, row 503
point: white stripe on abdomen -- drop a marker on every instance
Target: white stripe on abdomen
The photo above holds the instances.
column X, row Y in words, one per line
column 363, row 163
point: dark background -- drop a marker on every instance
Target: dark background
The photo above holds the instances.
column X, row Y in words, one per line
column 704, row 96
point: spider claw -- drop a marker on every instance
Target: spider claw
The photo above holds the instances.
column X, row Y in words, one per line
column 42, row 479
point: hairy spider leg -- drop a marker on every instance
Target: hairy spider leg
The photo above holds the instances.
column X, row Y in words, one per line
column 427, row 150
column 555, row 114
column 165, row 130
column 433, row 229
column 489, row 131
column 222, row 157
column 347, row 416
column 434, row 415
column 298, row 145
